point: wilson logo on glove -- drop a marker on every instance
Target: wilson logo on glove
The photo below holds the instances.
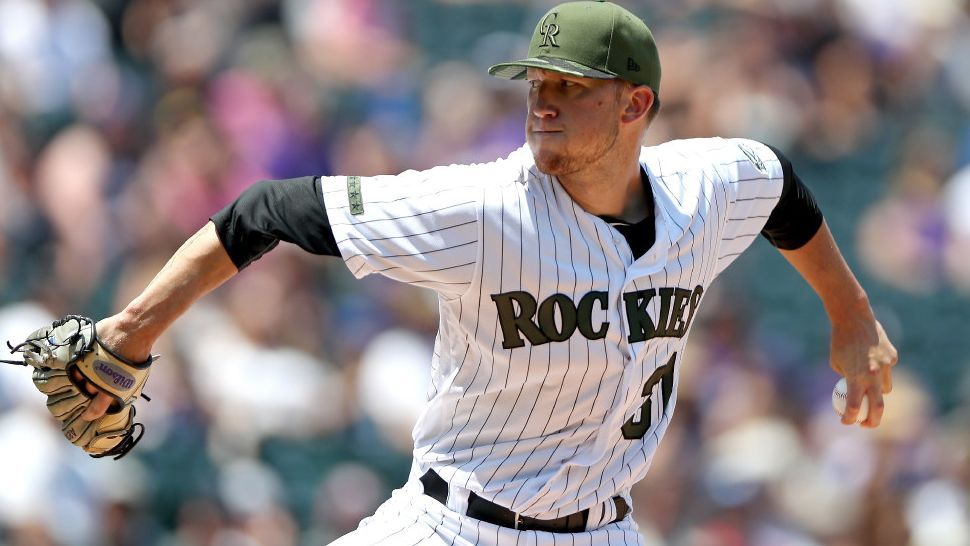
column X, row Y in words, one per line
column 109, row 373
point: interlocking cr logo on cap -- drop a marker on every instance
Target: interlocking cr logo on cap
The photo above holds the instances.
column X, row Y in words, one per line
column 549, row 30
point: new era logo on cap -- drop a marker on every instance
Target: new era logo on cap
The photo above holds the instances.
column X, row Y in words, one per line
column 632, row 65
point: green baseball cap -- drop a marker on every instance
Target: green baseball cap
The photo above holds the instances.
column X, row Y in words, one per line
column 591, row 40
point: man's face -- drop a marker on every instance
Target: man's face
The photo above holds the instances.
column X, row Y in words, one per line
column 572, row 121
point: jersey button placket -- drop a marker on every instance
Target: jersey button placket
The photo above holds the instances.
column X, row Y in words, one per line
column 624, row 323
column 622, row 248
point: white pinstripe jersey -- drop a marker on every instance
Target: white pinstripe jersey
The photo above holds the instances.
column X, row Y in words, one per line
column 555, row 368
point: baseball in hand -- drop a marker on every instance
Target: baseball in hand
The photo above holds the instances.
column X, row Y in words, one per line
column 840, row 395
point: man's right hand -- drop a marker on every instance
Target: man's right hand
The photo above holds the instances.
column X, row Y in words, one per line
column 100, row 401
column 114, row 337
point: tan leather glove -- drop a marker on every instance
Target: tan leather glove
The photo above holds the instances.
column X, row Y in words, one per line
column 67, row 356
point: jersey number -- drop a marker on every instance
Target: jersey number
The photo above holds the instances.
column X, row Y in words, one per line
column 638, row 424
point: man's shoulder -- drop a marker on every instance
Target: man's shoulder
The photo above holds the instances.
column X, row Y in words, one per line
column 515, row 167
column 703, row 153
column 710, row 148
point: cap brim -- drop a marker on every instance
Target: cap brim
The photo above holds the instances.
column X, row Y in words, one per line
column 516, row 70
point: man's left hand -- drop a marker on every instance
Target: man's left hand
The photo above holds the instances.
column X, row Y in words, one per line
column 863, row 354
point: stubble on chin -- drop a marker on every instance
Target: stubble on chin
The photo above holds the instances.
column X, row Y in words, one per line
column 551, row 160
column 552, row 163
column 561, row 162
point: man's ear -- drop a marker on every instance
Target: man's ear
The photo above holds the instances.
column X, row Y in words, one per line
column 638, row 103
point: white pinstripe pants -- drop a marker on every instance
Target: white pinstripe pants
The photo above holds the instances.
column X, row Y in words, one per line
column 410, row 518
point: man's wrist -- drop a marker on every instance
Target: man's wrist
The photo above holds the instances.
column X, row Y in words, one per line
column 850, row 308
column 126, row 334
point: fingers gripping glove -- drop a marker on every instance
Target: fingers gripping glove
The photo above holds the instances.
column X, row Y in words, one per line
column 65, row 356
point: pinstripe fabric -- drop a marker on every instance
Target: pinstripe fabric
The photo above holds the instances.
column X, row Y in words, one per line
column 409, row 518
column 551, row 427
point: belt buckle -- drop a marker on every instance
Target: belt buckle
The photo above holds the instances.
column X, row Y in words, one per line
column 516, row 521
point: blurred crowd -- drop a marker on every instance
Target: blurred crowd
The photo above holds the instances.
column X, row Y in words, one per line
column 282, row 404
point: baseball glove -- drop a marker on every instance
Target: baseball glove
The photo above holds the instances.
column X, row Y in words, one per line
column 66, row 356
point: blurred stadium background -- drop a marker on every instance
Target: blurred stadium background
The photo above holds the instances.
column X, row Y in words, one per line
column 282, row 406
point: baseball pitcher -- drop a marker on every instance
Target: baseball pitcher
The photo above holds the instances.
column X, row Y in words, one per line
column 568, row 277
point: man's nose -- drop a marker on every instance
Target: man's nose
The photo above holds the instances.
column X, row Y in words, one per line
column 541, row 105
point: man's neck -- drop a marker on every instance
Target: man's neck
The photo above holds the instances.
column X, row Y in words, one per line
column 613, row 191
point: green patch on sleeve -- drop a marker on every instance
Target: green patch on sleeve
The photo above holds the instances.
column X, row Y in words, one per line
column 354, row 196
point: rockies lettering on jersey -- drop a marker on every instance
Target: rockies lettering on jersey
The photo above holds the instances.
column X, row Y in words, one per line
column 558, row 317
column 558, row 352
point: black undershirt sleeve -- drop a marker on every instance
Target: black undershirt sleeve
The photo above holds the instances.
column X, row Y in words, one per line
column 796, row 217
column 272, row 211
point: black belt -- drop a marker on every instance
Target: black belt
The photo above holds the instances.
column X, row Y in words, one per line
column 487, row 511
